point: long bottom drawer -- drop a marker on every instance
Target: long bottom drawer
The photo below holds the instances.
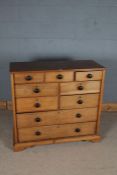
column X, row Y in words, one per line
column 56, row 131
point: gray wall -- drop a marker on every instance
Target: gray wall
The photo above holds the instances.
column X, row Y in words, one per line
column 85, row 29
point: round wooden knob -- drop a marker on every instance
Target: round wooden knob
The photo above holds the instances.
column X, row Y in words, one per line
column 37, row 105
column 80, row 87
column 89, row 76
column 37, row 133
column 77, row 130
column 37, row 119
column 28, row 78
column 59, row 76
column 78, row 115
column 80, row 101
column 36, row 90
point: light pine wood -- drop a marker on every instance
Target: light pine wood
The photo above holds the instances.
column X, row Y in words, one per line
column 21, row 146
column 74, row 87
column 20, row 78
column 3, row 104
column 69, row 102
column 106, row 107
column 56, row 117
column 100, row 102
column 56, row 131
column 92, row 138
column 56, row 106
column 96, row 140
column 28, row 104
column 15, row 134
column 109, row 107
column 82, row 76
column 28, row 90
column 52, row 76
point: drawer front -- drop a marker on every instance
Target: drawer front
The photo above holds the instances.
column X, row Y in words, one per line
column 33, row 90
column 28, row 120
column 80, row 87
column 79, row 101
column 28, row 77
column 56, row 131
column 59, row 76
column 92, row 75
column 36, row 104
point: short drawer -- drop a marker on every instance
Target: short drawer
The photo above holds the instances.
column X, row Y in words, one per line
column 92, row 75
column 79, row 101
column 80, row 87
column 28, row 77
column 28, row 120
column 36, row 104
column 59, row 76
column 33, row 90
column 56, row 131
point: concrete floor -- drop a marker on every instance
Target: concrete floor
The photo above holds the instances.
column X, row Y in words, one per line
column 81, row 158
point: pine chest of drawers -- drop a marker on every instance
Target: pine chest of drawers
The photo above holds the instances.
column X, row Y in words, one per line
column 56, row 101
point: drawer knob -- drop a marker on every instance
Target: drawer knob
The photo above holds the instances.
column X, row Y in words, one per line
column 37, row 105
column 37, row 133
column 36, row 90
column 28, row 78
column 80, row 87
column 78, row 115
column 37, row 119
column 59, row 76
column 89, row 76
column 80, row 101
column 77, row 130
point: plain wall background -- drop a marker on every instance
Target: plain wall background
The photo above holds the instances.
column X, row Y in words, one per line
column 84, row 29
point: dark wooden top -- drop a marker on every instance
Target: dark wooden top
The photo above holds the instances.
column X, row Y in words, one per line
column 53, row 65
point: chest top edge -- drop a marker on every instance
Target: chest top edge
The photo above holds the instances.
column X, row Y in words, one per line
column 55, row 65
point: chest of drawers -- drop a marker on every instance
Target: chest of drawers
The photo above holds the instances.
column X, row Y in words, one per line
column 56, row 101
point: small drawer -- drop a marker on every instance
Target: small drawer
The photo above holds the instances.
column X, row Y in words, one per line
column 28, row 77
column 29, row 120
column 92, row 75
column 33, row 90
column 59, row 76
column 56, row 131
column 36, row 104
column 79, row 101
column 80, row 87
